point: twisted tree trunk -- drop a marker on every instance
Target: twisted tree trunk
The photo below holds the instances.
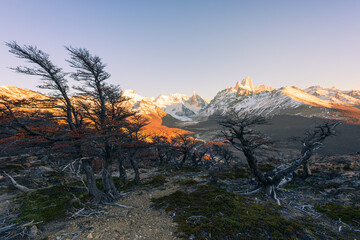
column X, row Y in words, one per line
column 306, row 170
column 108, row 183
column 91, row 181
column 122, row 171
column 135, row 166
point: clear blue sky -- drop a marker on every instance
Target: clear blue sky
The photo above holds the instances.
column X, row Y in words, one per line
column 179, row 46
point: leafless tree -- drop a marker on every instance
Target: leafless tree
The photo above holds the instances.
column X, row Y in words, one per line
column 136, row 142
column 184, row 145
column 238, row 131
column 53, row 77
column 95, row 117
column 224, row 153
column 102, row 105
column 161, row 148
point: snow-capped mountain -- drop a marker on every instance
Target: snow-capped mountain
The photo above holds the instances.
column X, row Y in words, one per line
column 143, row 105
column 262, row 100
column 177, row 105
column 181, row 106
column 244, row 97
column 335, row 95
column 247, row 98
column 12, row 92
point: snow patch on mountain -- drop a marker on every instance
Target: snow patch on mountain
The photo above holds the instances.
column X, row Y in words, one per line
column 181, row 106
column 19, row 93
column 142, row 105
column 262, row 103
column 335, row 95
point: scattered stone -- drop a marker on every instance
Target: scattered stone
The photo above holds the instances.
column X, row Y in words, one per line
column 33, row 231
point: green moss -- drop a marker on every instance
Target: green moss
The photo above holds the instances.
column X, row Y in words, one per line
column 46, row 204
column 233, row 174
column 118, row 183
column 213, row 213
column 296, row 184
column 14, row 167
column 347, row 214
column 156, row 181
column 266, row 167
column 188, row 182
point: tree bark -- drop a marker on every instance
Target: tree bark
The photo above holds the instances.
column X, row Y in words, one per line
column 122, row 171
column 184, row 158
column 135, row 166
column 193, row 159
column 306, row 170
column 252, row 161
column 108, row 183
column 91, row 181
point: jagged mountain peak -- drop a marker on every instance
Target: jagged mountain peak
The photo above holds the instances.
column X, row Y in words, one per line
column 246, row 84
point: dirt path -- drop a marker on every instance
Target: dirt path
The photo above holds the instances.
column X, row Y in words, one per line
column 119, row 223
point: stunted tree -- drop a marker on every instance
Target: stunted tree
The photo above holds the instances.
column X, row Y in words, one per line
column 238, row 130
column 102, row 105
column 184, row 145
column 224, row 153
column 53, row 77
column 162, row 148
column 95, row 118
column 134, row 144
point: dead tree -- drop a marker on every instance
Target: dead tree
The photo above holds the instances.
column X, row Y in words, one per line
column 238, row 131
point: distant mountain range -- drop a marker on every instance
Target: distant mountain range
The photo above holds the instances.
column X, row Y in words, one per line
column 314, row 101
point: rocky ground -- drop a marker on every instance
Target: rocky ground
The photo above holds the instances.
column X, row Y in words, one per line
column 141, row 222
column 335, row 184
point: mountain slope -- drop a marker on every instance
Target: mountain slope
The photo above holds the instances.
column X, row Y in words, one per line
column 181, row 106
column 312, row 102
column 143, row 106
column 13, row 93
column 335, row 95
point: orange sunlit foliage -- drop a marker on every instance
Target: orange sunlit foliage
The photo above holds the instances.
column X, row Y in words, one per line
column 155, row 127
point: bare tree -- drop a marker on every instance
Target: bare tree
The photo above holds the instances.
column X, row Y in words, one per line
column 136, row 142
column 184, row 145
column 95, row 118
column 224, row 153
column 161, row 147
column 238, row 131
column 102, row 104
column 52, row 76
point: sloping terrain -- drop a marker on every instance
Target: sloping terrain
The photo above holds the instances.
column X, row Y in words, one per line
column 283, row 129
column 140, row 104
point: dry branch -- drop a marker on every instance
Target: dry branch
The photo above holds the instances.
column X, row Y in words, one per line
column 18, row 186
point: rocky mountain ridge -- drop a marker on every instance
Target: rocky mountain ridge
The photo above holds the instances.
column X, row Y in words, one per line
column 314, row 101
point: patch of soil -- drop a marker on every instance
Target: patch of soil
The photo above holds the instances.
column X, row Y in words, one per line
column 142, row 222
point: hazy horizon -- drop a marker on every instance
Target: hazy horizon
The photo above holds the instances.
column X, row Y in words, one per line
column 163, row 47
